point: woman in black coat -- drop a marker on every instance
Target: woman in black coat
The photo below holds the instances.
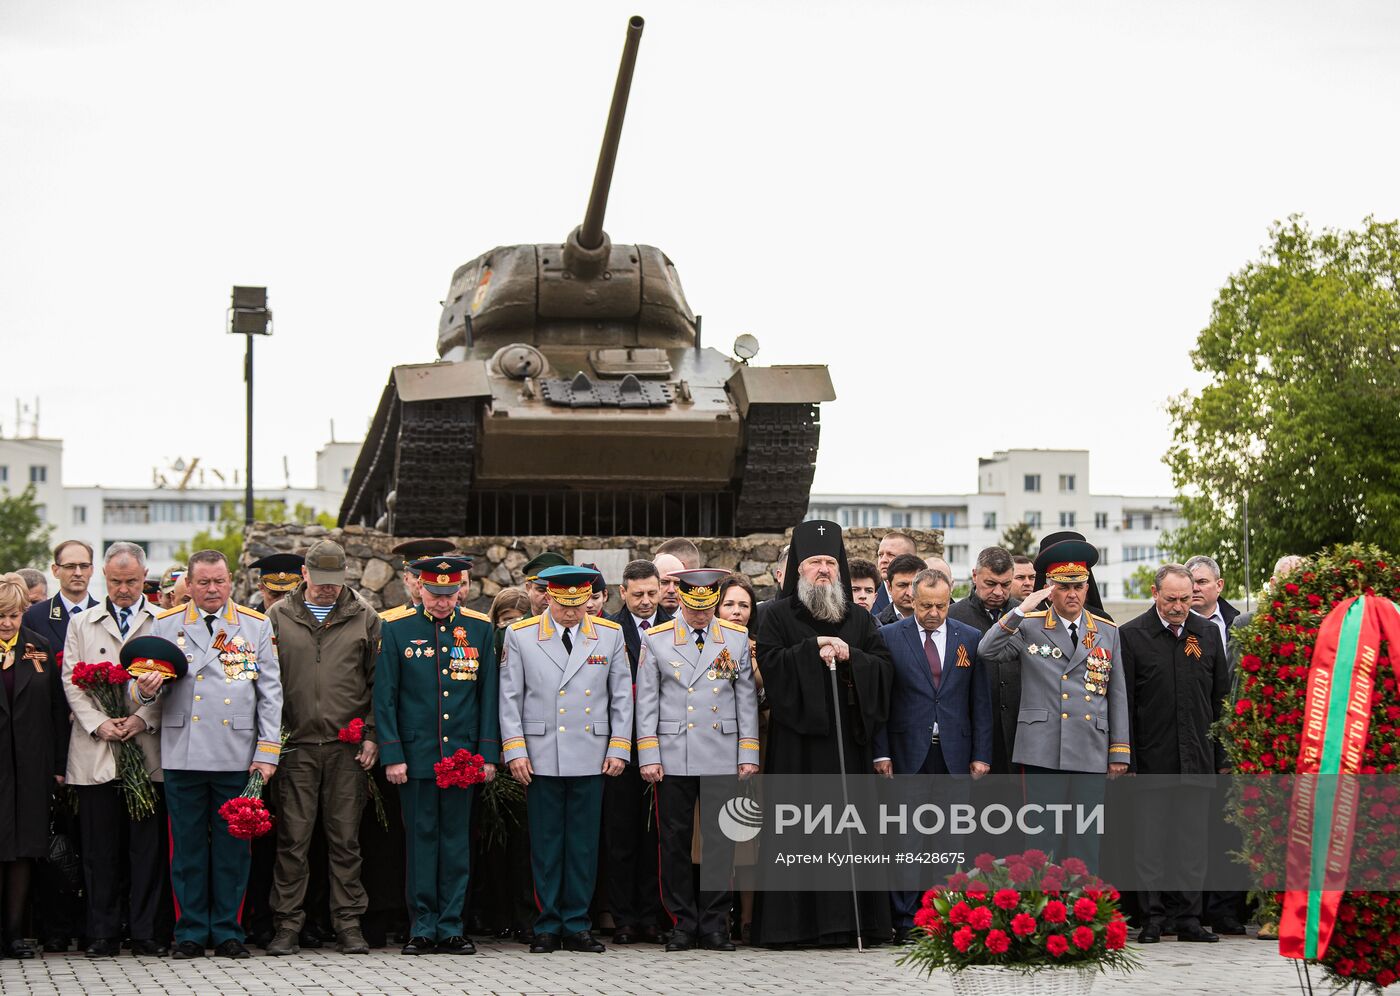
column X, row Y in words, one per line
column 33, row 755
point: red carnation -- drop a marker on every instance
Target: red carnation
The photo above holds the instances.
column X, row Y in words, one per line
column 1020, row 872
column 960, row 912
column 962, row 940
column 462, row 770
column 353, row 732
column 1085, row 909
column 1023, row 924
column 997, row 942
column 1083, row 938
column 977, row 890
column 1034, row 858
column 1054, row 912
column 1116, row 935
column 928, row 899
column 957, row 881
column 1006, row 898
column 1056, row 945
column 1074, row 866
column 246, row 815
column 927, row 919
column 984, row 862
column 980, row 918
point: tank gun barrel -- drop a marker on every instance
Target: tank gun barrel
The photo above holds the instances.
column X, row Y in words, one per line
column 590, row 233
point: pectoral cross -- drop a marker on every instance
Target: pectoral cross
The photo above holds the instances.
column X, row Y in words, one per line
column 821, row 530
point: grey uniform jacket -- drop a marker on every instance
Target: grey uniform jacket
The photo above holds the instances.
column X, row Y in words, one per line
column 226, row 712
column 1074, row 704
column 566, row 712
column 697, row 710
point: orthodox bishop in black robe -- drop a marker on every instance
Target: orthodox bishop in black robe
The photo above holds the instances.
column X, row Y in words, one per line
column 812, row 623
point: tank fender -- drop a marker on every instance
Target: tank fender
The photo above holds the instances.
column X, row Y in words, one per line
column 781, row 385
column 432, row 381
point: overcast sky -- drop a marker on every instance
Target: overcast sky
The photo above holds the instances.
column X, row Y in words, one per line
column 1000, row 224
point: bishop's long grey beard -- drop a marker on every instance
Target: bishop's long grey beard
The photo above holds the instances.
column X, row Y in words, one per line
column 826, row 602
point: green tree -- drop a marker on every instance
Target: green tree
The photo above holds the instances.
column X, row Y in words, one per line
column 227, row 535
column 24, row 538
column 1301, row 411
column 1139, row 583
column 1018, row 539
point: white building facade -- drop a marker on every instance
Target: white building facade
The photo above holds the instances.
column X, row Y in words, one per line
column 1048, row 490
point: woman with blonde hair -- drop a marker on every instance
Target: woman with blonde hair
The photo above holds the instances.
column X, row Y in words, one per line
column 33, row 755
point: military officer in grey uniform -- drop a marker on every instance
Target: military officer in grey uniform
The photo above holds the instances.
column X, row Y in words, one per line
column 1072, row 725
column 697, row 730
column 566, row 721
column 218, row 723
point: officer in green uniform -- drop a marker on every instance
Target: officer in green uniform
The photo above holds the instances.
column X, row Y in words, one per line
column 435, row 691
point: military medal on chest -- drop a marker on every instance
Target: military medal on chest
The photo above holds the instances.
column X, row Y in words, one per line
column 463, row 659
column 237, row 657
column 1097, row 669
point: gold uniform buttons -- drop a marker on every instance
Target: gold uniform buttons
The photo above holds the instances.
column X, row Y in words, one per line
column 714, row 708
column 1088, row 698
column 586, row 709
column 690, row 726
column 444, row 740
column 561, row 712
column 1064, row 695
column 228, row 701
column 226, row 722
column 1064, row 715
column 444, row 670
column 586, row 691
column 198, row 698
column 445, row 694
column 561, row 691
column 1064, row 677
column 1087, row 716
column 195, row 718
column 561, row 729
column 445, row 716
column 690, row 708
column 588, row 729
column 715, row 725
column 199, row 677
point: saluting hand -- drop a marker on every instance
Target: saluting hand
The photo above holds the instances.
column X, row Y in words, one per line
column 1034, row 599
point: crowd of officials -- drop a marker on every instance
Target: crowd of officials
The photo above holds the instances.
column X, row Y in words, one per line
column 596, row 737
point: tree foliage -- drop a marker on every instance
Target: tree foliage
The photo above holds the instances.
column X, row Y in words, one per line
column 227, row 536
column 1302, row 409
column 1018, row 539
column 24, row 538
column 1139, row 583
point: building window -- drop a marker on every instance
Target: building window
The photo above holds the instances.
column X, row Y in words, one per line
column 1032, row 482
column 902, row 519
column 1033, row 520
column 1135, row 554
column 1103, row 588
column 957, row 554
column 4, row 473
column 79, row 515
column 1147, row 520
column 989, row 520
column 38, row 473
column 1066, row 484
column 1100, row 520
column 1103, row 556
column 345, row 475
column 1066, row 520
column 845, row 516
column 42, row 511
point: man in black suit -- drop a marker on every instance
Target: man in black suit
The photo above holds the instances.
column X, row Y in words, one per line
column 1176, row 675
column 899, row 583
column 58, row 912
column 991, row 598
column 1206, row 586
column 892, row 544
column 630, row 852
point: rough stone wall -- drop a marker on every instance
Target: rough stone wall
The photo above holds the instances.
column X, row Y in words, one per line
column 374, row 572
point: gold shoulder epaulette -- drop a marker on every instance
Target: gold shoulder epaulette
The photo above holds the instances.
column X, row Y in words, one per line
column 1038, row 615
column 525, row 623
column 473, row 614
column 729, row 625
column 397, row 612
column 1106, row 622
column 244, row 610
column 663, row 628
column 606, row 623
column 163, row 613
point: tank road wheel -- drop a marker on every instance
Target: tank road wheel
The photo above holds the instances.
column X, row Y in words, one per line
column 780, row 457
column 433, row 467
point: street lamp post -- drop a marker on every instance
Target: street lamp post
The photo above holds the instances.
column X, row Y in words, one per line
column 248, row 315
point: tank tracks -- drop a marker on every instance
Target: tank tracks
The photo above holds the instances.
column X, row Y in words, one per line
column 433, row 467
column 780, row 457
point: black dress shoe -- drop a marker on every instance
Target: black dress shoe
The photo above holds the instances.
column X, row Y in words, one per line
column 188, row 949
column 1195, row 932
column 1229, row 925
column 418, row 946
column 525, row 935
column 624, row 935
column 54, row 945
column 903, row 935
column 231, row 948
column 651, row 935
column 457, row 945
column 544, row 943
column 1151, row 934
column 505, row 933
column 584, row 941
column 681, row 940
column 718, row 941
column 19, row 949
column 151, row 949
column 103, row 947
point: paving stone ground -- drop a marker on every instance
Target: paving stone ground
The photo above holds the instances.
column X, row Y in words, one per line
column 1233, row 967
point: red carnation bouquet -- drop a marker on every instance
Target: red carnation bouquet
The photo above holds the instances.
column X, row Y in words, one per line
column 353, row 732
column 1024, row 914
column 106, row 683
column 462, row 770
column 247, row 814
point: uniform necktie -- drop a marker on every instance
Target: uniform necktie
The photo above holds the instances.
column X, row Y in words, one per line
column 1176, row 631
column 699, row 639
column 1073, row 637
column 568, row 643
column 124, row 623
column 644, row 625
column 209, row 623
column 935, row 663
